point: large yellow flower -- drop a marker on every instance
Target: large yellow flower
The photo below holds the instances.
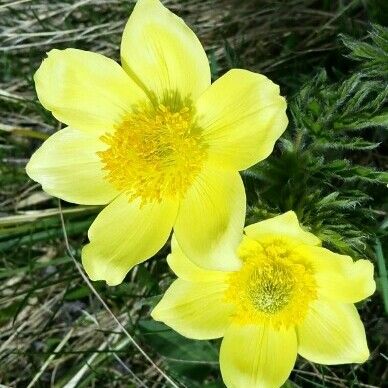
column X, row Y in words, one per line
column 289, row 296
column 155, row 141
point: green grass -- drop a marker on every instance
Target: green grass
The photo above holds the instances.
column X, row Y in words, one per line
column 56, row 328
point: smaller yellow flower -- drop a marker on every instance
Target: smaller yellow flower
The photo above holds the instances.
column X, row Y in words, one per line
column 289, row 296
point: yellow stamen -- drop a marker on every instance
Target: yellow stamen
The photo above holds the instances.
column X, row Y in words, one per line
column 274, row 286
column 156, row 152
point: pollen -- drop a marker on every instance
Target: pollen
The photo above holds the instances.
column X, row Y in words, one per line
column 273, row 286
column 155, row 152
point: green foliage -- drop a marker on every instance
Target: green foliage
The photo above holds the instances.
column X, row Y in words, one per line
column 331, row 116
column 373, row 56
column 325, row 169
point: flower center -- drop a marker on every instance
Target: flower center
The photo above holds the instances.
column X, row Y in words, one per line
column 273, row 286
column 155, row 152
column 267, row 289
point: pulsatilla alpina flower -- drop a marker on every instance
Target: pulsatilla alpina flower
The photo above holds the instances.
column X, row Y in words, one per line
column 289, row 296
column 155, row 141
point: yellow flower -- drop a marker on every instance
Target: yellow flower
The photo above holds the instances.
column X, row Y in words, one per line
column 289, row 296
column 155, row 142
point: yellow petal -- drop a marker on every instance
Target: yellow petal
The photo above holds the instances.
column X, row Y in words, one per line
column 161, row 52
column 338, row 277
column 242, row 116
column 257, row 356
column 286, row 225
column 194, row 310
column 125, row 234
column 67, row 166
column 85, row 90
column 331, row 334
column 210, row 220
column 187, row 270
